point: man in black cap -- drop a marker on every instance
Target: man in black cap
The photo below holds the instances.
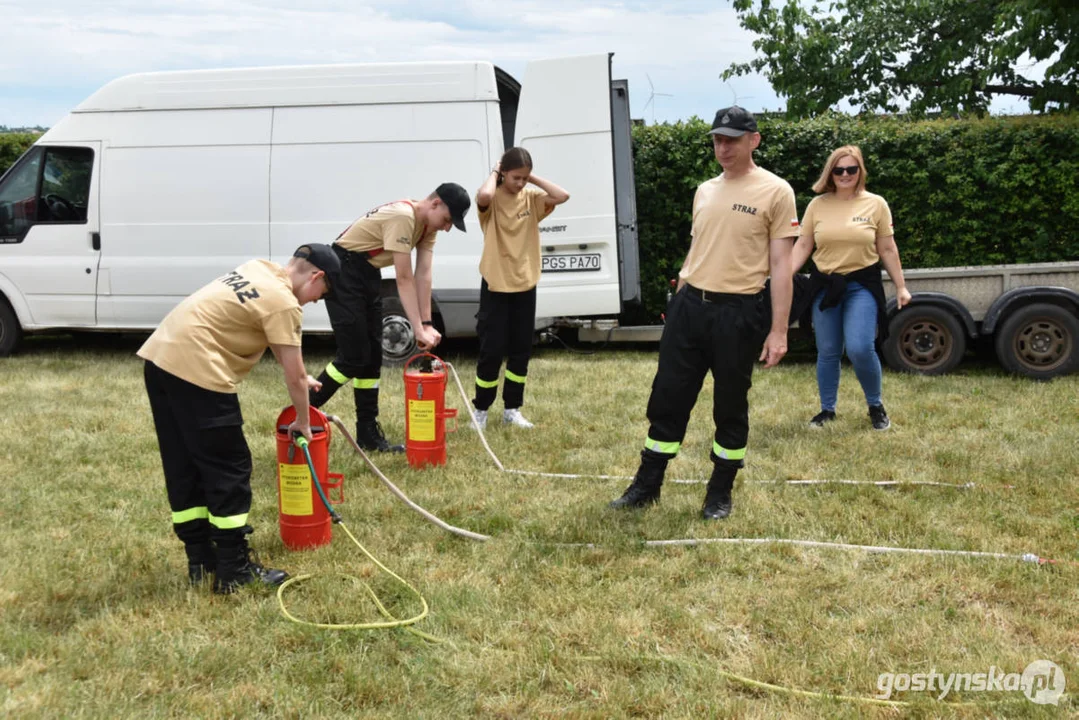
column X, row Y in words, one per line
column 385, row 236
column 195, row 359
column 744, row 225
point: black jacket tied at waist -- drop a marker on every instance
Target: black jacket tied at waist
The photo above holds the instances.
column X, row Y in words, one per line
column 807, row 288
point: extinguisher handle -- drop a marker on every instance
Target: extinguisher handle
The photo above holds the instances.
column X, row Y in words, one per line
column 314, row 428
column 418, row 356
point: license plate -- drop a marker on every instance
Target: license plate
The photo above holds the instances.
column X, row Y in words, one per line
column 580, row 262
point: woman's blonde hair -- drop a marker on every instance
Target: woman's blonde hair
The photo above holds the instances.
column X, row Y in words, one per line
column 827, row 184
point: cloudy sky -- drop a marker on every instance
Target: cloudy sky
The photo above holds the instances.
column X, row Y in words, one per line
column 56, row 53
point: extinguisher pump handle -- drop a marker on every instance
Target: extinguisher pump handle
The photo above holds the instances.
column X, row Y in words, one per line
column 430, row 358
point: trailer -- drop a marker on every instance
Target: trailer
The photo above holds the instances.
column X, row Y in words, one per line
column 1030, row 313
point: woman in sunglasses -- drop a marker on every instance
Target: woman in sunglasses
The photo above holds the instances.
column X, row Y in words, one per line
column 848, row 231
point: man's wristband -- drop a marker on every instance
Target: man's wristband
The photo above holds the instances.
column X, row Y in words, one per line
column 427, row 322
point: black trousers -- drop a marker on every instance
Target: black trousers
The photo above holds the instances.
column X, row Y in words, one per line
column 505, row 325
column 723, row 336
column 204, row 455
column 356, row 318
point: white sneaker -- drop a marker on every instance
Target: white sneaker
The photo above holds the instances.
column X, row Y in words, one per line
column 480, row 422
column 514, row 417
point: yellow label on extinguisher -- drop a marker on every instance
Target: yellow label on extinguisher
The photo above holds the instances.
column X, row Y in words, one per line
column 421, row 420
column 295, row 489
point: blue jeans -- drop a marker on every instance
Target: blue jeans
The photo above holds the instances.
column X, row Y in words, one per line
column 852, row 323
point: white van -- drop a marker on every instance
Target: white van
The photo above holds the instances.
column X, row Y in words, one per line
column 160, row 182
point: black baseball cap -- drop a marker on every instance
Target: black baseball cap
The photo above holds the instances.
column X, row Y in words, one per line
column 325, row 259
column 456, row 199
column 733, row 121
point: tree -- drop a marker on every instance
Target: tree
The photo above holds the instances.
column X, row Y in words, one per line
column 916, row 55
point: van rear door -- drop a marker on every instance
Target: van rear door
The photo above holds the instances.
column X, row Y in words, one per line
column 564, row 120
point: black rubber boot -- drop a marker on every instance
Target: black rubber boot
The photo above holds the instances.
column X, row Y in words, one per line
column 201, row 558
column 321, row 397
column 717, row 499
column 369, row 436
column 645, row 488
column 201, row 561
column 236, row 566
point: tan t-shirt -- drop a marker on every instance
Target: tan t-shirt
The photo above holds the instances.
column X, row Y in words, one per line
column 511, row 243
column 846, row 231
column 387, row 229
column 214, row 337
column 733, row 222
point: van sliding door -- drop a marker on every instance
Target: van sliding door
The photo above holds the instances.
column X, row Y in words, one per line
column 564, row 120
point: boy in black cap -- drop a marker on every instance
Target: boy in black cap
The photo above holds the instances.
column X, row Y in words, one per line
column 744, row 225
column 385, row 236
column 194, row 360
column 324, row 258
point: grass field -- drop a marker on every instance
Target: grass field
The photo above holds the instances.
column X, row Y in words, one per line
column 98, row 622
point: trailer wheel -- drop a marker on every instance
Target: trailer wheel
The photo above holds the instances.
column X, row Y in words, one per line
column 1038, row 341
column 10, row 330
column 398, row 339
column 924, row 339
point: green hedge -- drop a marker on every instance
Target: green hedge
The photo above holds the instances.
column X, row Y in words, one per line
column 12, row 146
column 962, row 192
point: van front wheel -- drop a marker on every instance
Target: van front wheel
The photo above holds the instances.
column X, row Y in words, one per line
column 398, row 339
column 10, row 331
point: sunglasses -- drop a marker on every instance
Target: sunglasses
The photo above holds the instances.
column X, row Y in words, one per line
column 849, row 169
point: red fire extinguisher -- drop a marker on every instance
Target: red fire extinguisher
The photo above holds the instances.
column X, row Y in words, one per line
column 303, row 517
column 426, row 412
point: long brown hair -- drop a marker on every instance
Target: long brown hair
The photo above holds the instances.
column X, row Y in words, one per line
column 514, row 159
